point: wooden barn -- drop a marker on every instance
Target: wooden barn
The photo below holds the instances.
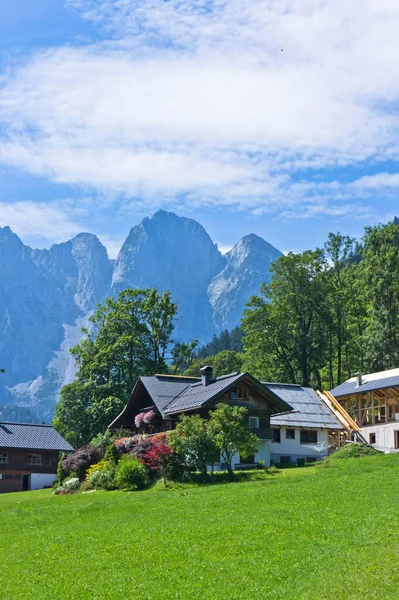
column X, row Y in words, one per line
column 29, row 456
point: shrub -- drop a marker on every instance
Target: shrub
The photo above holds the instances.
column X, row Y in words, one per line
column 112, row 454
column 79, row 461
column 101, row 475
column 131, row 474
column 69, row 486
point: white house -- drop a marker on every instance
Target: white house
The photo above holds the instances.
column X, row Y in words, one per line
column 304, row 432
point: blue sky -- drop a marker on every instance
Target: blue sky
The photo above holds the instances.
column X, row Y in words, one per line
column 278, row 117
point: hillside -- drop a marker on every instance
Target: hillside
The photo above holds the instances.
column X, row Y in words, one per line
column 325, row 533
column 46, row 296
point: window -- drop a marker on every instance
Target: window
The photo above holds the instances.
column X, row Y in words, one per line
column 311, row 459
column 3, row 458
column 284, row 460
column 290, row 434
column 276, row 435
column 34, row 459
column 254, row 422
column 239, row 394
column 308, row 436
column 372, row 438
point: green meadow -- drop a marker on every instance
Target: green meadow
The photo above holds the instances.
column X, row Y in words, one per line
column 321, row 533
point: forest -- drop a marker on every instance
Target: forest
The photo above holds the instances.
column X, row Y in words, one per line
column 326, row 314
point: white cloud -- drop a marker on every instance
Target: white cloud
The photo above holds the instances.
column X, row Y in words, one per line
column 219, row 102
column 224, row 248
column 38, row 222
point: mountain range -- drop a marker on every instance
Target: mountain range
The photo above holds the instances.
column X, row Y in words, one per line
column 47, row 296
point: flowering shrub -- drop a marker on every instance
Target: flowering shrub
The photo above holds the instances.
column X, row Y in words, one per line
column 79, row 461
column 131, row 474
column 101, row 475
column 69, row 486
column 148, row 416
column 144, row 418
column 124, row 444
column 138, row 420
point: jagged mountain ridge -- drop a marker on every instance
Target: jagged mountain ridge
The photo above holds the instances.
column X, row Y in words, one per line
column 46, row 296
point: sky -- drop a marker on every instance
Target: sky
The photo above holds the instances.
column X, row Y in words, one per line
column 277, row 117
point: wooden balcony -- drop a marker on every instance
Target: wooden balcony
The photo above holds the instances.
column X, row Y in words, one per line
column 264, row 433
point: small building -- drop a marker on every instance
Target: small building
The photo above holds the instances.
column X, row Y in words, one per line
column 372, row 401
column 29, row 456
column 308, row 432
column 167, row 397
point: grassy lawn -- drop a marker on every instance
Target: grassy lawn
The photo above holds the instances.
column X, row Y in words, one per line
column 329, row 533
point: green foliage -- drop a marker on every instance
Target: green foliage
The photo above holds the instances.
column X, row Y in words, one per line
column 223, row 363
column 182, row 356
column 229, row 429
column 282, row 326
column 329, row 313
column 61, row 473
column 131, row 474
column 112, row 454
column 129, row 337
column 101, row 475
column 225, row 341
column 194, row 443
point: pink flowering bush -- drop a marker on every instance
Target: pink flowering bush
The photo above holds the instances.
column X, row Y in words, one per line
column 148, row 416
column 138, row 420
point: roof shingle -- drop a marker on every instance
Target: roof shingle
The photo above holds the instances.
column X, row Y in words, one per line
column 32, row 437
column 309, row 410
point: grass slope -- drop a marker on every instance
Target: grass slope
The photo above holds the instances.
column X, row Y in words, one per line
column 323, row 533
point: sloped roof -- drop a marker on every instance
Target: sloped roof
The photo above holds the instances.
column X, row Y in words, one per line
column 196, row 394
column 164, row 389
column 32, row 437
column 309, row 410
column 173, row 394
column 370, row 382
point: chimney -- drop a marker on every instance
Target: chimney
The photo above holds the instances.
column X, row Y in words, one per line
column 206, row 374
column 358, row 379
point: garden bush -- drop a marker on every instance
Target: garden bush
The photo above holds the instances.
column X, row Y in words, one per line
column 69, row 486
column 101, row 475
column 79, row 461
column 131, row 474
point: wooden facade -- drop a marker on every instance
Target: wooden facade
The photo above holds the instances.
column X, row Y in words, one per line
column 18, row 465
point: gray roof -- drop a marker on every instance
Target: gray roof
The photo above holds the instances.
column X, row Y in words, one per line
column 163, row 389
column 31, row 437
column 309, row 410
column 196, row 394
column 370, row 382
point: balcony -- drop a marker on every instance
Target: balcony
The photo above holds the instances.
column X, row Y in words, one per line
column 262, row 433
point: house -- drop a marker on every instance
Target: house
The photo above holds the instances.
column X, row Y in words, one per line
column 166, row 397
column 29, row 456
column 372, row 400
column 305, row 433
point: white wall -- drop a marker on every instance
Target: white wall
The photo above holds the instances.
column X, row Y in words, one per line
column 294, row 448
column 384, row 434
column 40, row 480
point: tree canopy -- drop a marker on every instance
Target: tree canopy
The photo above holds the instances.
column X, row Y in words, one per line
column 129, row 336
